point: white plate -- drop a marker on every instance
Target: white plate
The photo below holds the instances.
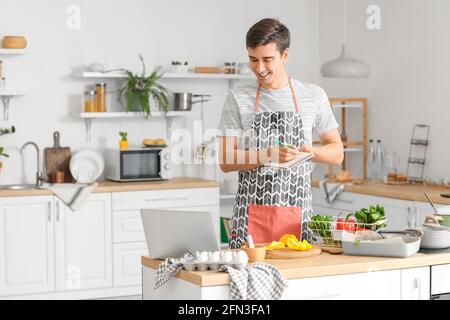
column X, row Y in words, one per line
column 87, row 165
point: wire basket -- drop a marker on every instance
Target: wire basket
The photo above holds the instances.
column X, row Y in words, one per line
column 329, row 233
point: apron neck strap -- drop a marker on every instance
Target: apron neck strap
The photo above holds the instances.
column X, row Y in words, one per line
column 259, row 90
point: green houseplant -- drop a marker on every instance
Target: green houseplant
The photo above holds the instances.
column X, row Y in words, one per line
column 138, row 89
column 2, row 154
column 123, row 143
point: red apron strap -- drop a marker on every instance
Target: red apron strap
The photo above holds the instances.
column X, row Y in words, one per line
column 257, row 97
column 259, row 90
column 293, row 95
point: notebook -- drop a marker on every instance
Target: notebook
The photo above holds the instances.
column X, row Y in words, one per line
column 301, row 157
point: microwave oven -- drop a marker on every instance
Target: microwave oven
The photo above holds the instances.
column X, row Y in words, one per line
column 138, row 164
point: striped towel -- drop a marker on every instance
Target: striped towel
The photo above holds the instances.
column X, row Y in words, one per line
column 72, row 194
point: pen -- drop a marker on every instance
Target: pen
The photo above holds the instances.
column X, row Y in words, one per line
column 279, row 143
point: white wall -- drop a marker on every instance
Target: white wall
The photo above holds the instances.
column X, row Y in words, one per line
column 114, row 32
column 410, row 67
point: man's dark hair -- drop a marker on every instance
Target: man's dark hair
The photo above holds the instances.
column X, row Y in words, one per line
column 268, row 31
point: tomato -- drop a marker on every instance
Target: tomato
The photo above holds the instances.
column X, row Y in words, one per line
column 340, row 223
column 350, row 224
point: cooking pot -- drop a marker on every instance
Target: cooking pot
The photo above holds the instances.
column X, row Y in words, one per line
column 183, row 101
column 434, row 235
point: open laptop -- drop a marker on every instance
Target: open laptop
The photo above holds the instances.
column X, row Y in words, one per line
column 170, row 233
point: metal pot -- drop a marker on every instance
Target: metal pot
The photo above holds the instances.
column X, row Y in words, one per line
column 183, row 101
column 434, row 235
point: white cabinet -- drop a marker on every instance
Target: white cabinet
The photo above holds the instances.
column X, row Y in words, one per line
column 128, row 232
column 415, row 284
column 127, row 263
column 83, row 241
column 440, row 279
column 26, row 245
column 382, row 285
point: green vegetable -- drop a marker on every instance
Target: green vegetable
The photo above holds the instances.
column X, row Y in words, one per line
column 371, row 218
column 321, row 225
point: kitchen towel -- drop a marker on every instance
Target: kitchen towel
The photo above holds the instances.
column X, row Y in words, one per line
column 259, row 281
column 330, row 190
column 168, row 269
column 73, row 195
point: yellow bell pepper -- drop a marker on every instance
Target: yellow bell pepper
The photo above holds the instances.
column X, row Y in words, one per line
column 275, row 246
column 284, row 238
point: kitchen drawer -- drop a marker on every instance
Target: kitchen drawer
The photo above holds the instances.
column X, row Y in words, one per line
column 382, row 285
column 137, row 200
column 440, row 279
column 127, row 263
column 127, row 225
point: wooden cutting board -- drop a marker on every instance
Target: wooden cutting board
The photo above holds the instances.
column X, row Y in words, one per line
column 287, row 253
column 57, row 158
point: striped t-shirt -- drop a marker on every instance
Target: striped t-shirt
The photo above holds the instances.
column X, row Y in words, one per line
column 312, row 100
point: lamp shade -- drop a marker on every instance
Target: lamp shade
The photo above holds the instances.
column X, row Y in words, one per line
column 345, row 66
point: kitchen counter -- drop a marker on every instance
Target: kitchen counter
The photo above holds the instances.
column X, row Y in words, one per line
column 323, row 265
column 402, row 192
column 111, row 186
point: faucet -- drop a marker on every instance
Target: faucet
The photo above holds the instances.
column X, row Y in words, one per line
column 39, row 176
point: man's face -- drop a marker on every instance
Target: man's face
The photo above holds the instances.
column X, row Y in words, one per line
column 267, row 63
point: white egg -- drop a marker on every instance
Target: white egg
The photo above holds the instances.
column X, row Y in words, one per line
column 242, row 257
column 227, row 257
column 203, row 256
column 215, row 257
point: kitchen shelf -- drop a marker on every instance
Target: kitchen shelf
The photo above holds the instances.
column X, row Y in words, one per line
column 231, row 78
column 4, row 51
column 168, row 75
column 109, row 115
column 90, row 116
column 349, row 104
column 5, row 96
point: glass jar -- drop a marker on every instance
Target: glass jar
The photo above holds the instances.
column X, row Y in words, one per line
column 100, row 89
column 227, row 69
column 89, row 101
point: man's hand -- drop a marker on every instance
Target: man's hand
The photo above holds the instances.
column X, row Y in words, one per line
column 278, row 154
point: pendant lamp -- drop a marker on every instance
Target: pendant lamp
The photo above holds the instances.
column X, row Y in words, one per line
column 345, row 66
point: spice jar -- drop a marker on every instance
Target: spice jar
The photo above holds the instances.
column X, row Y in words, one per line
column 227, row 69
column 89, row 101
column 100, row 89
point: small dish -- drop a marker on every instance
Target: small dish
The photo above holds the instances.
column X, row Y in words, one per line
column 87, row 165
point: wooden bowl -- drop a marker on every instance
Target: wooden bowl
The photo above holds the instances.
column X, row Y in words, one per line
column 14, row 42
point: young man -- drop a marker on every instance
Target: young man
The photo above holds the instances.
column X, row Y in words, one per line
column 271, row 203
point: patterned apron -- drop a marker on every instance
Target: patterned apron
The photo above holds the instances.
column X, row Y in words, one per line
column 276, row 187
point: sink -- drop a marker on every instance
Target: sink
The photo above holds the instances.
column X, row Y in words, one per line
column 18, row 187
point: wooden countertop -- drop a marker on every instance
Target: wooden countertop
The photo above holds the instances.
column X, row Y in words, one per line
column 323, row 265
column 111, row 186
column 402, row 192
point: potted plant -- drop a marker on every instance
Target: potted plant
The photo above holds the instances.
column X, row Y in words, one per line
column 139, row 88
column 123, row 143
column 2, row 154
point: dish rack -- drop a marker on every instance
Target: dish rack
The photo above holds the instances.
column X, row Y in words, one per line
column 328, row 234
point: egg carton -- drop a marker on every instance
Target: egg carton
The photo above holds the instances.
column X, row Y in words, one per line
column 213, row 261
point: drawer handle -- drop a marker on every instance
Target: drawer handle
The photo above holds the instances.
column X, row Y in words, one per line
column 166, row 198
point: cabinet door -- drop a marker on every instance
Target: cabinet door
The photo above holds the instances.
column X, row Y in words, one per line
column 415, row 284
column 84, row 244
column 399, row 214
column 26, row 245
column 127, row 263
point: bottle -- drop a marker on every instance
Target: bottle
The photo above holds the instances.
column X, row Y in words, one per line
column 100, row 89
column 371, row 169
column 379, row 161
